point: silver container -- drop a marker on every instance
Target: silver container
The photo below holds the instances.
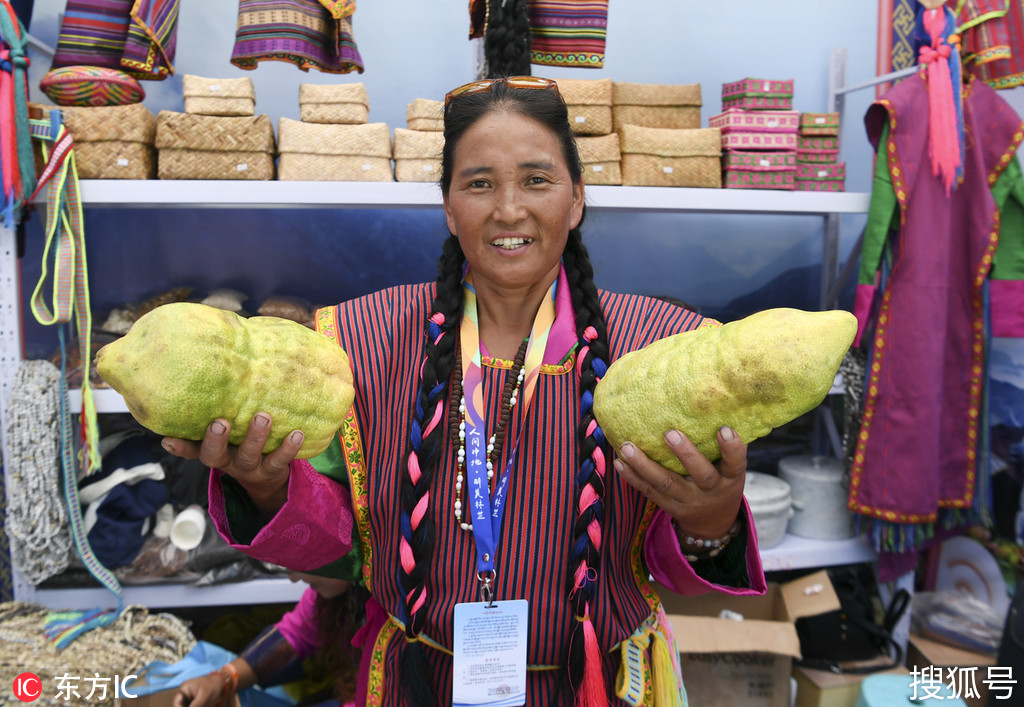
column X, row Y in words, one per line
column 770, row 504
column 819, row 497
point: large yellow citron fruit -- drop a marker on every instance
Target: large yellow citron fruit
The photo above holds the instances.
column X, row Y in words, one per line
column 183, row 365
column 753, row 374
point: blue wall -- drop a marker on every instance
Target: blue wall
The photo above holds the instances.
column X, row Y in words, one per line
column 725, row 265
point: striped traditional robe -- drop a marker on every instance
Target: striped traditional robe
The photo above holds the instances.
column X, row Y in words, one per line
column 382, row 334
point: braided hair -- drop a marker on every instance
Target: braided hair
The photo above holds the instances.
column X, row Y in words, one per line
column 507, row 38
column 584, row 659
column 427, row 435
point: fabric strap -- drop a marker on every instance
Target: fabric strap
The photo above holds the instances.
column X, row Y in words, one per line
column 65, row 237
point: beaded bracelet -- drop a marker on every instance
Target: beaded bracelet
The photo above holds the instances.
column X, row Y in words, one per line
column 229, row 674
column 706, row 547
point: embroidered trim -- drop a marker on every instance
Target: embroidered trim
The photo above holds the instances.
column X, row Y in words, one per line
column 351, row 440
column 375, row 682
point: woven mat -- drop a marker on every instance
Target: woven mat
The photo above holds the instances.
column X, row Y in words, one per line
column 122, row 648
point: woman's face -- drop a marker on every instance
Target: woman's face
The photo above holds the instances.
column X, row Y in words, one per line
column 512, row 200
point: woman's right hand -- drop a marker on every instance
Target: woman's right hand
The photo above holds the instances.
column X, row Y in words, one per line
column 204, row 691
column 263, row 476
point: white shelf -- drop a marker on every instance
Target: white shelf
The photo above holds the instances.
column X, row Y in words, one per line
column 790, row 554
column 172, row 193
column 795, row 553
column 256, row 591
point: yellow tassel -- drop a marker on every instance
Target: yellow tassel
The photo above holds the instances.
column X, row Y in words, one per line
column 666, row 690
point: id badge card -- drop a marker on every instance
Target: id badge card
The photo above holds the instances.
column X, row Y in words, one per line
column 490, row 654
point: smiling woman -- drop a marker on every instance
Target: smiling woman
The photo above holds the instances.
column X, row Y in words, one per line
column 497, row 361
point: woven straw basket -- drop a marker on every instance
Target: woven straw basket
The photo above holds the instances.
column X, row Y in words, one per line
column 601, row 159
column 652, row 105
column 214, row 147
column 206, row 96
column 344, row 104
column 662, row 157
column 344, row 153
column 417, row 155
column 590, row 105
column 113, row 142
column 425, row 114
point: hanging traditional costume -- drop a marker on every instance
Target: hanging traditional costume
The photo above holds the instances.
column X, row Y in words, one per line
column 993, row 40
column 382, row 334
column 568, row 32
column 138, row 37
column 925, row 282
column 312, row 34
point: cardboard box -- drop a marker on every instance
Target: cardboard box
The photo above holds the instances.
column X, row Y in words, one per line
column 727, row 662
column 823, row 688
column 924, row 653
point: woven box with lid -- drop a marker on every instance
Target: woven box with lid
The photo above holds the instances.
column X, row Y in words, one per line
column 735, row 120
column 665, row 157
column 424, row 114
column 195, row 146
column 759, row 170
column 759, row 141
column 345, row 103
column 417, row 155
column 817, row 149
column 758, row 94
column 602, row 159
column 210, row 96
column 589, row 102
column 340, row 153
column 821, row 177
column 653, row 105
column 113, row 142
column 819, row 124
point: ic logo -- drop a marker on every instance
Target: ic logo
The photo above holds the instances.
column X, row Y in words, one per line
column 28, row 687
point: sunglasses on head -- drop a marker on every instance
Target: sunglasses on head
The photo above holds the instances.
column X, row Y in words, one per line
column 510, row 81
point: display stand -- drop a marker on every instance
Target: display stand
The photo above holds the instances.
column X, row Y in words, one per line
column 791, row 553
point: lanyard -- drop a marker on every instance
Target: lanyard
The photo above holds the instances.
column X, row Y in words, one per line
column 486, row 513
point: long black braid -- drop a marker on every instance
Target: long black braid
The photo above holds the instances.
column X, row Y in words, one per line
column 427, row 438
column 507, row 38
column 591, row 364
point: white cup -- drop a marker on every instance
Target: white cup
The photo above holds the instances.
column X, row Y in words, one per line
column 188, row 528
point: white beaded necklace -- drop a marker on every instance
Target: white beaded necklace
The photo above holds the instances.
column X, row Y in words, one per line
column 492, row 452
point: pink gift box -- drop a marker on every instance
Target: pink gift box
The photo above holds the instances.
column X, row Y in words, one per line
column 817, row 142
column 812, row 185
column 760, row 161
column 757, row 103
column 759, row 141
column 750, row 179
column 819, row 123
column 821, row 172
column 758, row 87
column 817, row 156
column 758, row 94
column 753, row 121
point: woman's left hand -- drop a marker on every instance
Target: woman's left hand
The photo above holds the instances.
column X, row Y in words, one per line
column 704, row 504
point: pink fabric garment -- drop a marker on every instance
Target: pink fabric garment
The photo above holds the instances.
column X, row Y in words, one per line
column 364, row 638
column 668, row 566
column 298, row 626
column 863, row 307
column 316, row 521
column 1006, row 297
